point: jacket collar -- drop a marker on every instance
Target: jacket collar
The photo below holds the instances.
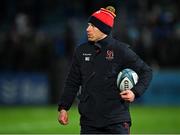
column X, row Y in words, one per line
column 104, row 42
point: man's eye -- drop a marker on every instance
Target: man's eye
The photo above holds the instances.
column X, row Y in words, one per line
column 92, row 25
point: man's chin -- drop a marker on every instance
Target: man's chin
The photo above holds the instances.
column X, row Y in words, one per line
column 90, row 39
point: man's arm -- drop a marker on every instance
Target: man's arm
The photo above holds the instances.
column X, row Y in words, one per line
column 71, row 88
column 141, row 68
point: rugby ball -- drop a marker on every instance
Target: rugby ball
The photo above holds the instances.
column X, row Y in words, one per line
column 126, row 79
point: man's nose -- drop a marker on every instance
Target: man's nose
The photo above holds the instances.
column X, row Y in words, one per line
column 88, row 28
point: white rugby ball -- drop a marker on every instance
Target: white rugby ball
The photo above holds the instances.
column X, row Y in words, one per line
column 127, row 79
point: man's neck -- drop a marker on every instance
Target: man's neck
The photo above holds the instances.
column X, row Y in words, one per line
column 104, row 36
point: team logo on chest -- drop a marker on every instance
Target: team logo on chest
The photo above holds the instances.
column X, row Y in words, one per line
column 109, row 54
column 87, row 56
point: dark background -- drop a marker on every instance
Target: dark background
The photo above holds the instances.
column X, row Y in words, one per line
column 39, row 36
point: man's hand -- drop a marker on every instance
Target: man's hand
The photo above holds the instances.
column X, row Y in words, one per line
column 127, row 95
column 63, row 117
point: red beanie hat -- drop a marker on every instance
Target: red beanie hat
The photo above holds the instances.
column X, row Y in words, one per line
column 103, row 19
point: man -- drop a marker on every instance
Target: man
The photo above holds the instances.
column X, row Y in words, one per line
column 95, row 66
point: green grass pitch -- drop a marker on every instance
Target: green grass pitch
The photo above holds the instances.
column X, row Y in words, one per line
column 43, row 119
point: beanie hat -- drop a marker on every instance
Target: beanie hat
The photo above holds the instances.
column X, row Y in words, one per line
column 103, row 19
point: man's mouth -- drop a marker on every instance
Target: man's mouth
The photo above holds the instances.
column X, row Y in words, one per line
column 89, row 36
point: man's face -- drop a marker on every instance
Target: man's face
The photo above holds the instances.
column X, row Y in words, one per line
column 93, row 33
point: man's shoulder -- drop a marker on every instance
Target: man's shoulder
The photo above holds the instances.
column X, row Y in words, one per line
column 125, row 45
column 120, row 45
column 84, row 45
column 81, row 47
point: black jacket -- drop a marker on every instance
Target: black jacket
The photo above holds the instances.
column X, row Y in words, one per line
column 95, row 67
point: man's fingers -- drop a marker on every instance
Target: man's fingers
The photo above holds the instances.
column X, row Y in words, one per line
column 127, row 95
column 63, row 121
column 124, row 93
column 63, row 117
column 124, row 96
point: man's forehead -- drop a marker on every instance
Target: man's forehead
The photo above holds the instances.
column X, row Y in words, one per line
column 91, row 24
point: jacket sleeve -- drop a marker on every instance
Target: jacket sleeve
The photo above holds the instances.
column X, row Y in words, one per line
column 72, row 84
column 141, row 68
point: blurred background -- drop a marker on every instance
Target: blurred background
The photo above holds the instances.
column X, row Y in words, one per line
column 37, row 40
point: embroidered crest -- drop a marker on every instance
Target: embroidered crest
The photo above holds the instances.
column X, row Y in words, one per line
column 109, row 55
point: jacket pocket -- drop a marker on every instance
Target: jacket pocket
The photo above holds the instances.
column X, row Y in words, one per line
column 83, row 106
